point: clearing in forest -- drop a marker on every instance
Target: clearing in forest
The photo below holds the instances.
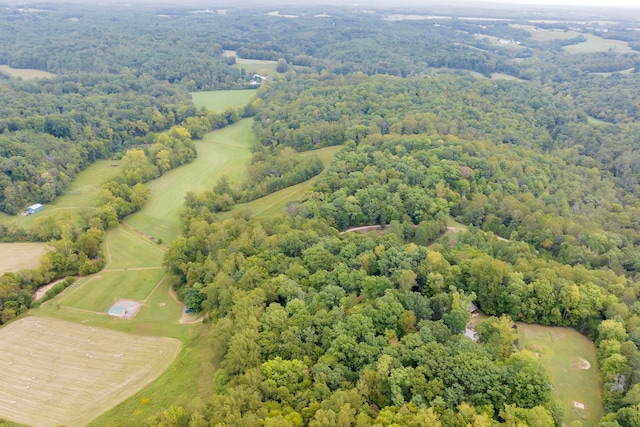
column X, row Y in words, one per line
column 25, row 73
column 60, row 373
column 219, row 100
column 20, row 256
column 570, row 359
column 221, row 152
column 598, row 44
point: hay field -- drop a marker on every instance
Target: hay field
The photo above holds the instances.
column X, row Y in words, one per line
column 219, row 100
column 25, row 73
column 60, row 373
column 20, row 256
column 221, row 152
column 560, row 350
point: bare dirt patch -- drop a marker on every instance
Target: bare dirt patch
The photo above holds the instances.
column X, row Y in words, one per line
column 60, row 373
column 580, row 363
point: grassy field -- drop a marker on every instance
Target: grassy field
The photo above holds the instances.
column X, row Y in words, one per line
column 25, row 73
column 546, row 35
column 20, row 256
column 562, row 352
column 218, row 100
column 81, row 194
column 222, row 152
column 99, row 292
column 127, row 249
column 598, row 44
column 61, row 373
column 275, row 203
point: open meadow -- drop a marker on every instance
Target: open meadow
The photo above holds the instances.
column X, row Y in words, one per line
column 598, row 44
column 219, row 100
column 221, row 152
column 20, row 256
column 570, row 359
column 25, row 73
column 60, row 373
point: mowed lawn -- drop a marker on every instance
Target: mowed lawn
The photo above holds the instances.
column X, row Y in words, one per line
column 219, row 100
column 20, row 256
column 562, row 352
column 99, row 292
column 221, row 152
column 61, row 373
column 276, row 202
column 126, row 249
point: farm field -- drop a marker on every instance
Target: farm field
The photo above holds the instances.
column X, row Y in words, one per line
column 219, row 100
column 563, row 352
column 598, row 44
column 25, row 73
column 61, row 373
column 541, row 35
column 221, row 152
column 20, row 256
column 276, row 202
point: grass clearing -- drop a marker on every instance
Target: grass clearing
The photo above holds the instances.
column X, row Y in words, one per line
column 275, row 203
column 25, row 73
column 562, row 351
column 126, row 249
column 219, row 100
column 20, row 256
column 60, row 373
column 598, row 44
column 221, row 152
column 545, row 35
column 98, row 292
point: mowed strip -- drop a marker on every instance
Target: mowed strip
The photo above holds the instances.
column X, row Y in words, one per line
column 20, row 256
column 60, row 373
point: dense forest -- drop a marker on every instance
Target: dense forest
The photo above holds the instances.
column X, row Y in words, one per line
column 307, row 323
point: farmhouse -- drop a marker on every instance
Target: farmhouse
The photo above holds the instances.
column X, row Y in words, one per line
column 34, row 208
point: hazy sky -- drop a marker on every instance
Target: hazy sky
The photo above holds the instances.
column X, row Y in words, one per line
column 585, row 3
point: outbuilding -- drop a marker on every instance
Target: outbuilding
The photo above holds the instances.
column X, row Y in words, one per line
column 34, row 208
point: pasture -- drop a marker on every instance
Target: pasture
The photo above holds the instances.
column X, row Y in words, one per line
column 276, row 202
column 60, row 373
column 25, row 73
column 563, row 352
column 545, row 35
column 221, row 152
column 20, row 256
column 598, row 44
column 219, row 100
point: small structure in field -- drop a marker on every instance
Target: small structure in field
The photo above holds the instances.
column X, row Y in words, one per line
column 124, row 309
column 118, row 311
column 37, row 207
